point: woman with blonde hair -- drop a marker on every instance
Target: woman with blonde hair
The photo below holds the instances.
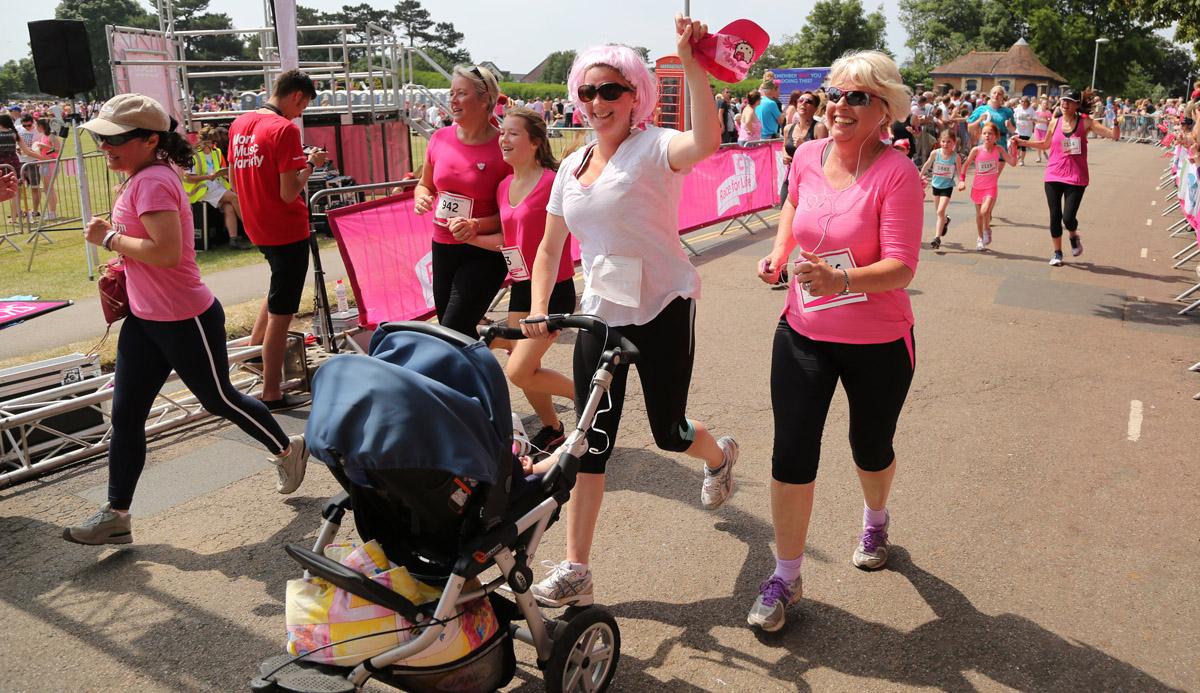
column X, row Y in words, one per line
column 463, row 167
column 854, row 209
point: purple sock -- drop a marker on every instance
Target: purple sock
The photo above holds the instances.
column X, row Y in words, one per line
column 788, row 571
column 874, row 518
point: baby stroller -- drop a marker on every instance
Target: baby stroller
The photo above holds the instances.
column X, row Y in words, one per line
column 419, row 434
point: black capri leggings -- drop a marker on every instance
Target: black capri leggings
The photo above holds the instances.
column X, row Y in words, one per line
column 804, row 374
column 147, row 352
column 465, row 280
column 1063, row 200
column 666, row 346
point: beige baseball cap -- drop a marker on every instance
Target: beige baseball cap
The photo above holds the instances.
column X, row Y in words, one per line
column 125, row 112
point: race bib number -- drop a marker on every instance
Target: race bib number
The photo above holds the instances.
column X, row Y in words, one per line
column 450, row 206
column 985, row 167
column 839, row 260
column 1071, row 145
column 943, row 170
column 617, row 279
column 517, row 269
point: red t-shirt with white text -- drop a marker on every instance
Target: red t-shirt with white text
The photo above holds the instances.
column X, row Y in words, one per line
column 262, row 146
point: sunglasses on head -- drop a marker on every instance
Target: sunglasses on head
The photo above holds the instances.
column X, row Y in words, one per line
column 609, row 91
column 853, row 97
column 118, row 140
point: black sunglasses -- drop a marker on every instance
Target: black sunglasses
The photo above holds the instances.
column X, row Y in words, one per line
column 118, row 140
column 609, row 91
column 853, row 98
column 807, row 100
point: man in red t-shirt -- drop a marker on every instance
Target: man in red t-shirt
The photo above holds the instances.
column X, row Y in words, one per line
column 269, row 172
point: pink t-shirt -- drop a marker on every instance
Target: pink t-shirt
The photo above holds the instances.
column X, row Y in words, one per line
column 987, row 169
column 525, row 225
column 880, row 216
column 160, row 293
column 465, row 177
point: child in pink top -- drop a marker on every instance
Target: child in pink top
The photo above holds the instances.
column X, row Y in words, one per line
column 987, row 160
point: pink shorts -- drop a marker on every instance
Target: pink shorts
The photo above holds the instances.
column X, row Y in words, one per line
column 981, row 192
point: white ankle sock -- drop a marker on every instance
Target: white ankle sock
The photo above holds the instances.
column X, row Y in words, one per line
column 787, row 570
column 874, row 518
column 580, row 568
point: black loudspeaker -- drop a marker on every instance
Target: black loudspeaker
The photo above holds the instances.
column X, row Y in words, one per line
column 61, row 57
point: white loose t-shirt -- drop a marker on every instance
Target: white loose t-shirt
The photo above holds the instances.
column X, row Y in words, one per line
column 1024, row 117
column 627, row 223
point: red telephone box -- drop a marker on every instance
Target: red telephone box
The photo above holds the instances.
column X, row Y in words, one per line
column 668, row 71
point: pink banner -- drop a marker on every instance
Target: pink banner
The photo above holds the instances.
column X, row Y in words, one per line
column 156, row 81
column 387, row 139
column 13, row 312
column 731, row 183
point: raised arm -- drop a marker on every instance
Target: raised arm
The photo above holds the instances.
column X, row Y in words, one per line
column 697, row 144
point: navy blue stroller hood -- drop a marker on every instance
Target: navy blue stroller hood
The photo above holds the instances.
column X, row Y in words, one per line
column 418, row 402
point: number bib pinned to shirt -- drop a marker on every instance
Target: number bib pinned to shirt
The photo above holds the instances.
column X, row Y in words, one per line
column 1071, row 145
column 617, row 279
column 515, row 259
column 839, row 260
column 942, row 170
column 450, row 206
column 985, row 167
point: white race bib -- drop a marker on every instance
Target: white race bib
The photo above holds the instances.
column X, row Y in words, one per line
column 617, row 279
column 517, row 269
column 450, row 205
column 1071, row 145
column 839, row 260
column 942, row 170
column 985, row 166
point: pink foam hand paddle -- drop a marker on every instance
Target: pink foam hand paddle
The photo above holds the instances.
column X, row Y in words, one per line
column 729, row 54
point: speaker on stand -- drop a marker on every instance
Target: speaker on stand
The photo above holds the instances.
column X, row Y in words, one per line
column 62, row 59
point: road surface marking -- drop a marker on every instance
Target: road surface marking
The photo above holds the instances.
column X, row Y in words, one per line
column 1148, row 222
column 1135, row 420
column 1153, row 202
column 1143, row 252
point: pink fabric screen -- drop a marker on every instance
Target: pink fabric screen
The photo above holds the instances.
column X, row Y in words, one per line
column 731, row 183
column 352, row 160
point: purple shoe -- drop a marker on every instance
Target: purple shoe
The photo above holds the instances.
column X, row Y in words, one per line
column 872, row 551
column 774, row 597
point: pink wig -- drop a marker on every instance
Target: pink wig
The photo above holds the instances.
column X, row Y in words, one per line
column 626, row 61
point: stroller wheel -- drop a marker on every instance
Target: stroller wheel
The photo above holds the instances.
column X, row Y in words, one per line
column 585, row 653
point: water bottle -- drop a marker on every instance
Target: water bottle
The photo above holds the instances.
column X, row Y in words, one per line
column 520, row 446
column 339, row 290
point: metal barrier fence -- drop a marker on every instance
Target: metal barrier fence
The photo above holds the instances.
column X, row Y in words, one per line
column 1140, row 127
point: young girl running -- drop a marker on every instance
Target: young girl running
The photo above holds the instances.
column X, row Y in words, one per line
column 945, row 163
column 989, row 159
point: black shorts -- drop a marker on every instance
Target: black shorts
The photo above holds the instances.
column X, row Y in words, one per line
column 562, row 298
column 30, row 175
column 943, row 192
column 1025, row 138
column 289, row 269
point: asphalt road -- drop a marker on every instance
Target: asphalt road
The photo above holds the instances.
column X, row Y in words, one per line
column 1044, row 539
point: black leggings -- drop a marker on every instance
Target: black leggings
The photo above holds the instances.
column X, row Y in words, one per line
column 465, row 280
column 1063, row 200
column 147, row 352
column 804, row 374
column 666, row 346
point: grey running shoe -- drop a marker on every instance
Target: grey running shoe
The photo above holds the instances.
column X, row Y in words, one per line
column 774, row 597
column 563, row 586
column 105, row 527
column 936, row 242
column 872, row 551
column 291, row 467
column 1076, row 245
column 717, row 488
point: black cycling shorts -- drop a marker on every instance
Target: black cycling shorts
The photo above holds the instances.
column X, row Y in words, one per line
column 804, row 374
column 943, row 192
column 289, row 270
column 562, row 298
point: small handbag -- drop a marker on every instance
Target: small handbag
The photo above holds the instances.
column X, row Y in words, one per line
column 114, row 299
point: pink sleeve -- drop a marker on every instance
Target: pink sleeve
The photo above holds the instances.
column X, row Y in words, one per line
column 902, row 214
column 155, row 194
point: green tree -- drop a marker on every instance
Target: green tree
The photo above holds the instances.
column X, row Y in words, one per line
column 836, row 26
column 1183, row 14
column 413, row 20
column 448, row 40
column 940, row 30
column 784, row 53
column 558, row 67
column 95, row 14
column 18, row 77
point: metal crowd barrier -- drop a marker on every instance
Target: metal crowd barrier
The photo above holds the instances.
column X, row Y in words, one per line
column 58, row 207
column 1182, row 227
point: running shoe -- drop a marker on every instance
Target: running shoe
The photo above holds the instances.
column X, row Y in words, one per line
column 564, row 586
column 936, row 242
column 945, row 227
column 987, row 236
column 979, row 245
column 286, row 402
column 1076, row 245
column 239, row 243
column 106, row 526
column 872, row 551
column 774, row 597
column 291, row 467
column 1056, row 259
column 718, row 487
column 548, row 438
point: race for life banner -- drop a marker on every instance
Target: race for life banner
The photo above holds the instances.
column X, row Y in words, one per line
column 13, row 312
column 731, row 183
column 799, row 79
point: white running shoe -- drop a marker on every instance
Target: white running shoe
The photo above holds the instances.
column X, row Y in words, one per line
column 291, row 467
column 979, row 245
column 1056, row 259
column 718, row 488
column 1076, row 245
column 564, row 586
column 987, row 236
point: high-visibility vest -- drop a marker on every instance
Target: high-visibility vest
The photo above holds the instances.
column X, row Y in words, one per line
column 195, row 191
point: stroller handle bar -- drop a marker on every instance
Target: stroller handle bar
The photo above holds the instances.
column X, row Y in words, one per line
column 559, row 321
